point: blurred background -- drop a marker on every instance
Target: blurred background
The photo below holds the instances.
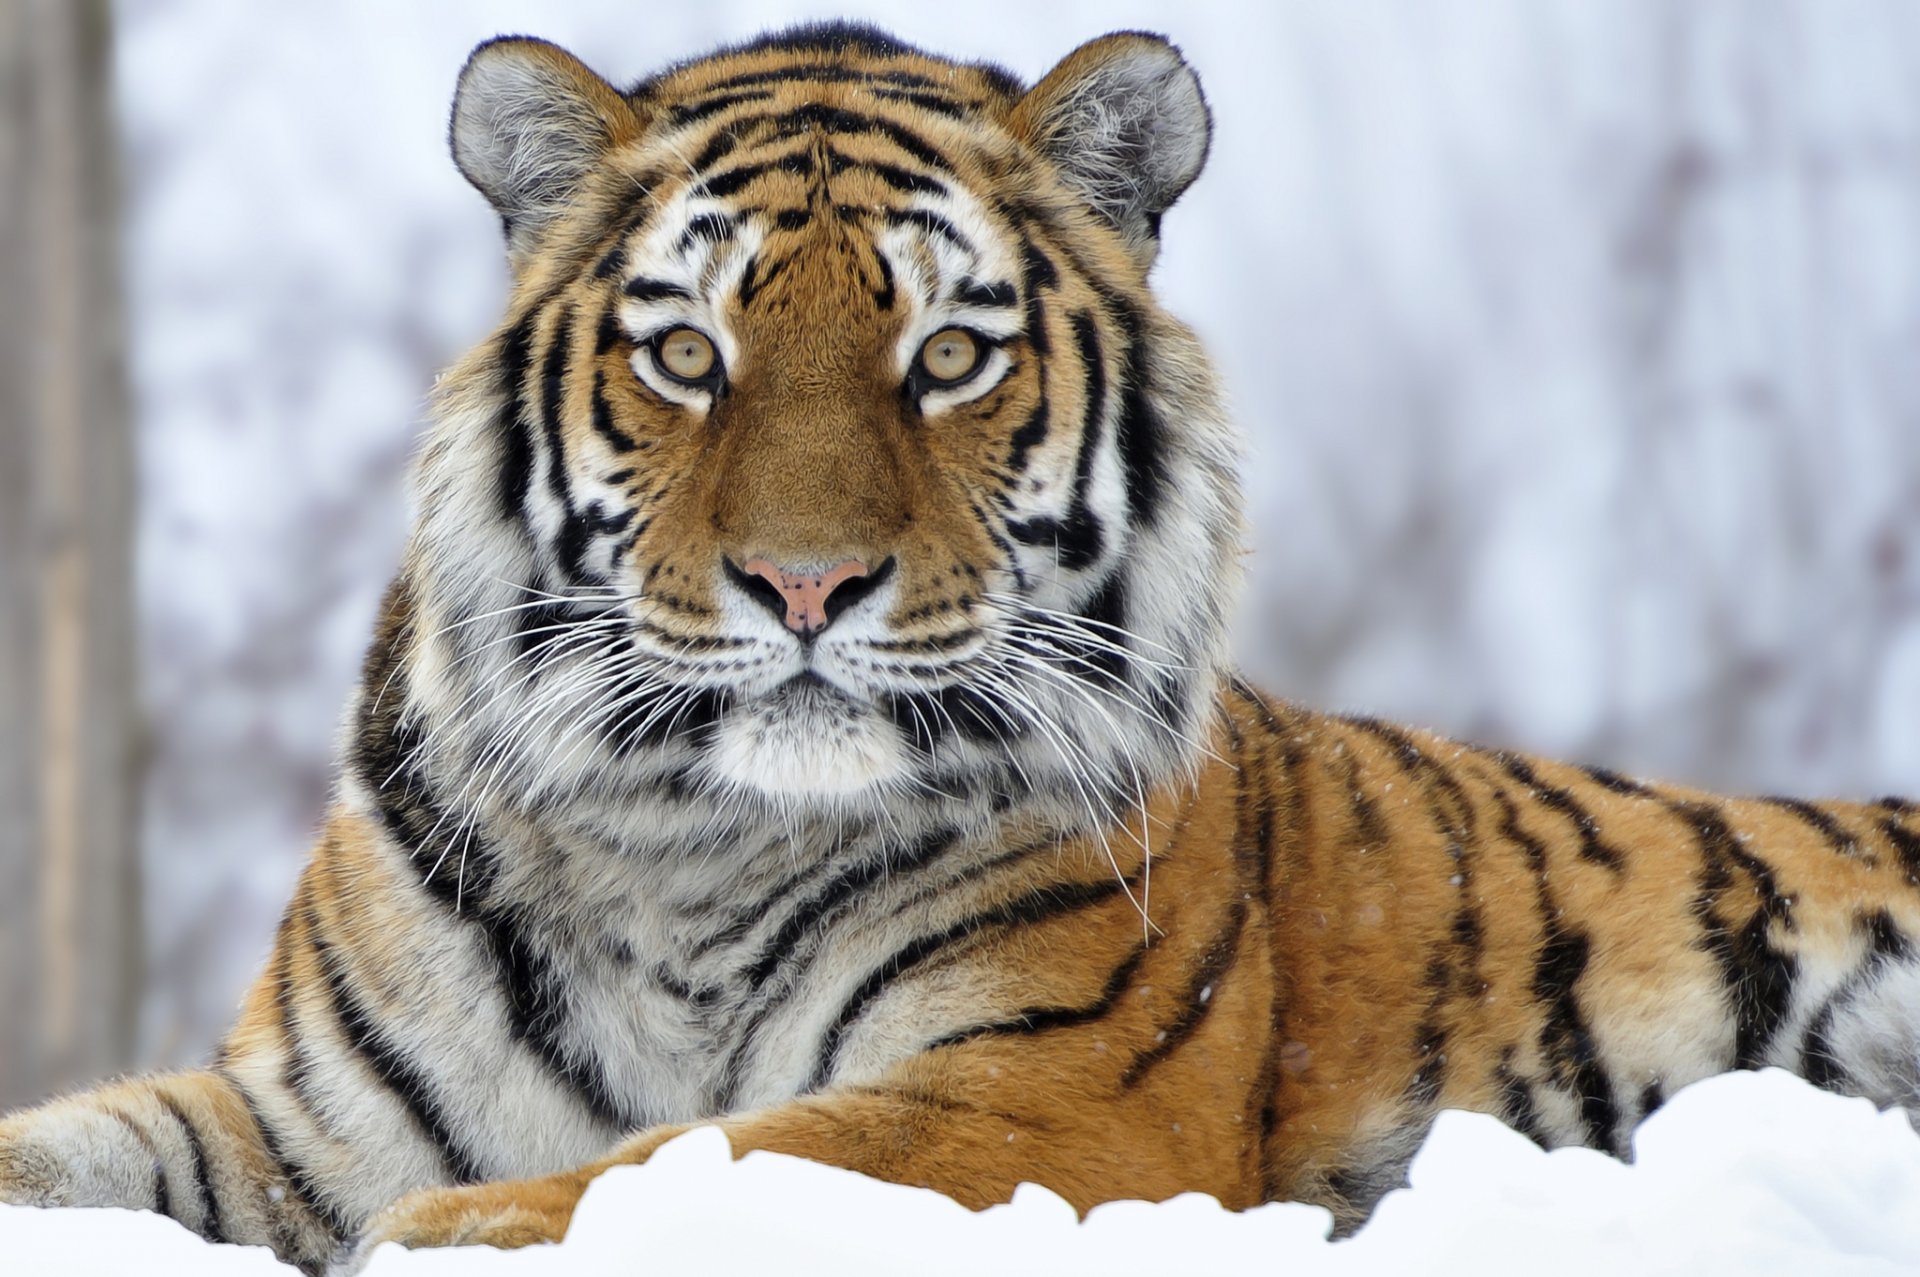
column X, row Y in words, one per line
column 1577, row 346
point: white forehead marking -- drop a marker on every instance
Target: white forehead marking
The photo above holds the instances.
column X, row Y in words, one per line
column 707, row 269
column 931, row 294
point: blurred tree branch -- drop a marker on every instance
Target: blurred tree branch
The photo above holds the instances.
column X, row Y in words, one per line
column 69, row 878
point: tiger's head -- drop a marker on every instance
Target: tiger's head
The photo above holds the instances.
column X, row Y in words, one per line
column 833, row 456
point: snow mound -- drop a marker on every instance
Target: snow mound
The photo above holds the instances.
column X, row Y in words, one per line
column 1752, row 1173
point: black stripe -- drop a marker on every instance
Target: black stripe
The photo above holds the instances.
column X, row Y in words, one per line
column 1517, row 1107
column 1820, row 1063
column 999, row 295
column 1030, row 909
column 939, row 104
column 516, row 443
column 1369, row 826
column 611, row 263
column 1758, row 979
column 1037, row 273
column 883, row 296
column 1254, row 769
column 724, row 185
column 928, row 718
column 931, row 222
column 1103, row 659
column 162, row 1199
column 1885, row 940
column 741, row 919
column 812, row 915
column 809, row 919
column 1030, row 435
column 1566, row 1043
column 306, row 1191
column 987, row 524
column 718, row 147
column 614, row 260
column 1618, row 784
column 1251, row 851
column 1196, row 999
column 297, row 1072
column 646, row 289
column 641, row 720
column 904, row 180
column 679, row 990
column 1430, row 1048
column 689, row 112
column 617, row 439
column 1592, row 847
column 831, row 119
column 1456, row 962
column 212, row 1226
column 1906, row 845
column 538, row 1011
column 714, row 228
column 1566, row 1040
column 1452, row 809
column 387, row 1061
column 575, row 529
column 608, row 335
column 1078, row 538
column 825, row 72
column 1045, row 1019
column 462, row 881
column 1256, row 702
column 1886, row 943
column 1838, row 840
column 1139, row 434
column 753, row 279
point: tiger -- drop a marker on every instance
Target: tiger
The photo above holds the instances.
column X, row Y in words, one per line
column 805, row 707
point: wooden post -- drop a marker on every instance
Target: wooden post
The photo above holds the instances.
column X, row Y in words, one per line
column 70, row 944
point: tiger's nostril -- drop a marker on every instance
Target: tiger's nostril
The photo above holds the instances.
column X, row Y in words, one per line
column 758, row 588
column 854, row 588
column 806, row 602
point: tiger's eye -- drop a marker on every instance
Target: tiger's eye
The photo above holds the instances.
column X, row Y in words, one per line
column 950, row 354
column 686, row 355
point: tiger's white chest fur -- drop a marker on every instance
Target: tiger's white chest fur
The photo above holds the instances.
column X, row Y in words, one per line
column 641, row 990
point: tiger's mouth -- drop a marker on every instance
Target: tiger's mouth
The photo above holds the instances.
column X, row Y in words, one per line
column 807, row 737
column 811, row 693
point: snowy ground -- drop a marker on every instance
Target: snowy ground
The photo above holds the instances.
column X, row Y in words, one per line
column 1753, row 1173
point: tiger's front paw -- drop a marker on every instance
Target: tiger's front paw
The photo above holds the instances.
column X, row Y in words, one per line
column 73, row 1155
column 507, row 1215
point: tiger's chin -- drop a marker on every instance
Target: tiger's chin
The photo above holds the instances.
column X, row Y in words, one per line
column 809, row 743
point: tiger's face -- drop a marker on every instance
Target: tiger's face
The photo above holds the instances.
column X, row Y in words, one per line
column 833, row 456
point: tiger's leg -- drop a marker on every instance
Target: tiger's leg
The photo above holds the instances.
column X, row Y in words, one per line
column 288, row 1141
column 975, row 1155
column 183, row 1144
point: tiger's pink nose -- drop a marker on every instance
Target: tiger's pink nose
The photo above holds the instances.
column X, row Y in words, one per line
column 804, row 594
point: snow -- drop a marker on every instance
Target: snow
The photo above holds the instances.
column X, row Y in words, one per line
column 1747, row 1174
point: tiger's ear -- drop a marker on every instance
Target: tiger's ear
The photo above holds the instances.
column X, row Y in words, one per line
column 1123, row 121
column 530, row 121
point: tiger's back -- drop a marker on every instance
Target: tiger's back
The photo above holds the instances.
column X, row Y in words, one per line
column 804, row 706
column 1563, row 947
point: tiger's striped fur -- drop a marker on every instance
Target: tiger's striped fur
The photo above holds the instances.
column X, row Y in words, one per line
column 999, row 876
